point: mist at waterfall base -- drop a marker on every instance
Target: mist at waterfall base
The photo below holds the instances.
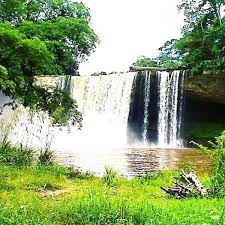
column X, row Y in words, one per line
column 128, row 110
column 120, row 111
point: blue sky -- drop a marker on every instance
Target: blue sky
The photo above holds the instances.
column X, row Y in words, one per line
column 128, row 29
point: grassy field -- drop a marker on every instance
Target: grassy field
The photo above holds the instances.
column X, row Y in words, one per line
column 55, row 195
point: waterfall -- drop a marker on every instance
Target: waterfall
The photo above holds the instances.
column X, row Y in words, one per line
column 104, row 102
column 25, row 128
column 156, row 109
column 163, row 108
column 169, row 118
column 146, row 106
column 144, row 109
column 181, row 106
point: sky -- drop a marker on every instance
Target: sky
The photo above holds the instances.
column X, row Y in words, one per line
column 128, row 29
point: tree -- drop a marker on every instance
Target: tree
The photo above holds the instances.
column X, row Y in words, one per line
column 43, row 37
column 144, row 61
column 169, row 57
column 204, row 51
column 202, row 45
column 30, row 57
column 17, row 11
column 204, row 12
column 62, row 24
column 70, row 40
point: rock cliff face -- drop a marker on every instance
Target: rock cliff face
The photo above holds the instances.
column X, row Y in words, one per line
column 206, row 88
column 204, row 116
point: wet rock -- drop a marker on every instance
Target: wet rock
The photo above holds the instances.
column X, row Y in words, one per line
column 206, row 87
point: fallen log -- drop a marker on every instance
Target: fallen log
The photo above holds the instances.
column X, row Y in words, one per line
column 187, row 185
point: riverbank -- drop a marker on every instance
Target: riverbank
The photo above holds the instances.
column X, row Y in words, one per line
column 56, row 195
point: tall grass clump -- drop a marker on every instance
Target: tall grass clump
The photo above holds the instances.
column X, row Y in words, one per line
column 109, row 177
column 216, row 152
column 46, row 157
column 11, row 155
column 74, row 173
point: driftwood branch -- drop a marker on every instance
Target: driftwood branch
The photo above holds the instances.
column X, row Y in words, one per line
column 187, row 184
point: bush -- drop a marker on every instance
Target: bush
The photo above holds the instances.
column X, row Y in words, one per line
column 217, row 154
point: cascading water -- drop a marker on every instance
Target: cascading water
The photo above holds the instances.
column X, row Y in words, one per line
column 170, row 98
column 163, row 108
column 106, row 102
column 181, row 106
column 146, row 106
column 161, row 95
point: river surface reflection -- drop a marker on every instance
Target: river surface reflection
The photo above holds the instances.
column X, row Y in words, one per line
column 132, row 162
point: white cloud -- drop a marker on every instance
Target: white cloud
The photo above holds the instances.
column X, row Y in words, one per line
column 128, row 29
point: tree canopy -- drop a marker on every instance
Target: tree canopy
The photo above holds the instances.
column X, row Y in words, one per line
column 144, row 61
column 203, row 41
column 202, row 45
column 168, row 56
column 42, row 38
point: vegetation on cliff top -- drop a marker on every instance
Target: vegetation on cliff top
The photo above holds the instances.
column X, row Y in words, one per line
column 202, row 45
column 203, row 41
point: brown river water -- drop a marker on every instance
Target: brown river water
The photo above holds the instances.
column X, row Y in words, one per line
column 133, row 162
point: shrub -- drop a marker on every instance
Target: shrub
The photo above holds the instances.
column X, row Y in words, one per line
column 217, row 154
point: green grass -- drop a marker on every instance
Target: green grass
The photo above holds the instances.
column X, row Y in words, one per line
column 203, row 130
column 27, row 196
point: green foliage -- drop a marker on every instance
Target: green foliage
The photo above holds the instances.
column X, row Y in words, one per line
column 202, row 46
column 205, row 13
column 61, row 24
column 109, row 176
column 156, row 176
column 203, row 130
column 69, row 40
column 46, row 157
column 43, row 38
column 38, row 186
column 188, row 167
column 17, row 11
column 169, row 57
column 73, row 173
column 61, row 107
column 15, row 156
column 86, row 202
column 143, row 61
column 204, row 50
column 217, row 155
